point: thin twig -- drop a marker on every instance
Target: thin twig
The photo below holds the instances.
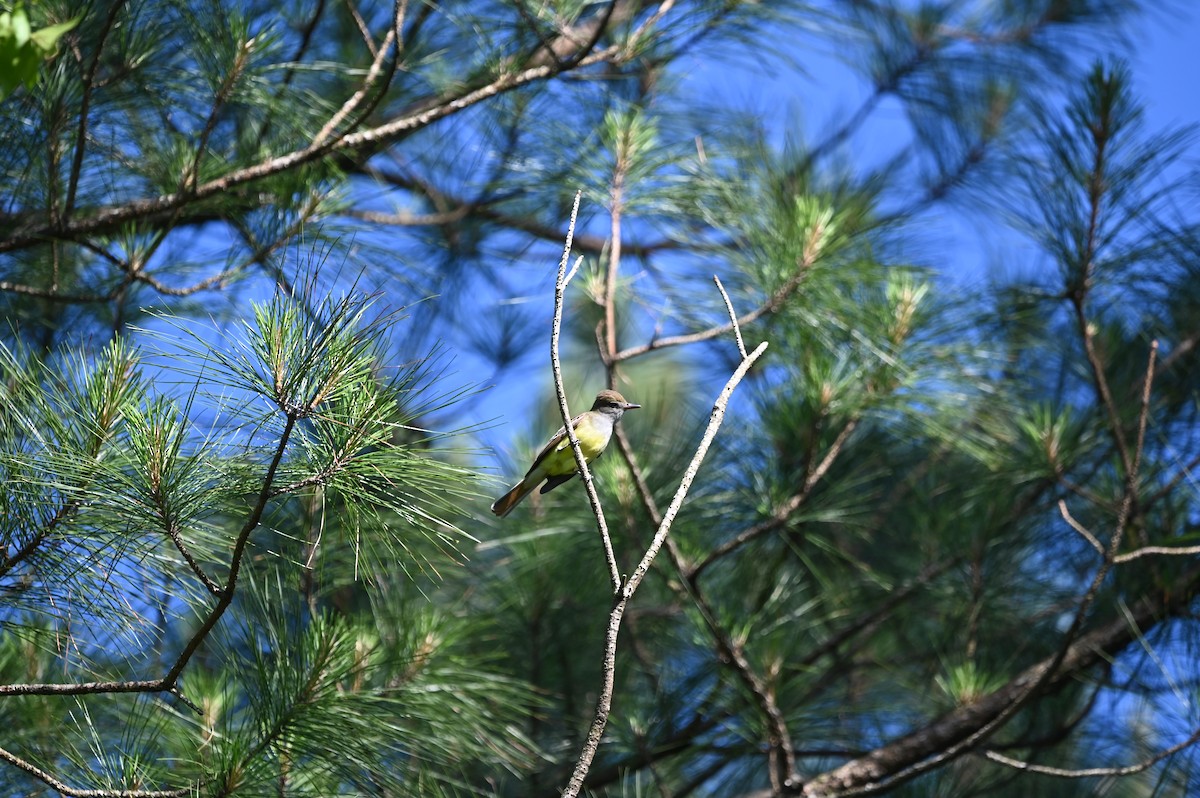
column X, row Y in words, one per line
column 169, row 681
column 1109, row 553
column 585, row 473
column 617, row 199
column 737, row 328
column 1079, row 293
column 235, row 565
column 634, row 39
column 189, row 703
column 368, row 40
column 1146, row 551
column 1144, row 410
column 729, row 651
column 1084, row 532
column 574, row 269
column 177, row 538
column 947, row 737
column 1020, row 691
column 203, row 285
column 192, row 174
column 782, row 755
column 85, row 102
column 460, row 208
column 1085, row 773
column 872, row 619
column 1023, row 689
column 1184, row 472
column 52, row 294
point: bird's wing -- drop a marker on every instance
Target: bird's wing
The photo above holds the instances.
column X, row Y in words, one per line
column 553, row 444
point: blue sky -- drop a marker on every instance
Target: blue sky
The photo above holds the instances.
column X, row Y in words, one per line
column 1166, row 64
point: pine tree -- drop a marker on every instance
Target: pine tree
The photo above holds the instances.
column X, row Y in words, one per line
column 871, row 533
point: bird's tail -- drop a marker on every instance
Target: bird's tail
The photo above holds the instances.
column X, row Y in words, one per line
column 505, row 504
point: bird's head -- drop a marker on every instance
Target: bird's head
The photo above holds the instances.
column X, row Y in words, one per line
column 611, row 400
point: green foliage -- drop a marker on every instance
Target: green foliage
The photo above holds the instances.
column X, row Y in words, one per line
column 22, row 49
column 278, row 288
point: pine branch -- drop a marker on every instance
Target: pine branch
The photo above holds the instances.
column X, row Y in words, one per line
column 72, row 792
column 942, row 740
column 363, row 143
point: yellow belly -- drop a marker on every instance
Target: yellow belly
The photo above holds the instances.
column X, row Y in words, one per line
column 592, row 442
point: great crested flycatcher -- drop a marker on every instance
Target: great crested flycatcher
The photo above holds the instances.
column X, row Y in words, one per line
column 555, row 463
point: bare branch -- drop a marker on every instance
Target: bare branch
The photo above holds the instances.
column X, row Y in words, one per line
column 585, row 473
column 729, row 651
column 216, row 280
column 1084, row 532
column 235, row 565
column 737, row 329
column 607, row 345
column 368, row 140
column 604, row 702
column 1143, row 414
column 52, row 294
column 782, row 755
column 192, row 173
column 616, row 196
column 1078, row 295
column 168, row 682
column 177, row 538
column 1147, row 551
column 872, row 619
column 663, row 9
column 947, row 737
column 460, row 208
column 85, row 102
column 348, row 107
column 368, row 39
column 977, row 726
column 1085, row 773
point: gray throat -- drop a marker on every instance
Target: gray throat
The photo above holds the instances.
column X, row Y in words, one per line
column 613, row 414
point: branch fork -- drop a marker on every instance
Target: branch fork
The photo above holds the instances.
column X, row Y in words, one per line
column 624, row 590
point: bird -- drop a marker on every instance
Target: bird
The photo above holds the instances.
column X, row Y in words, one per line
column 555, row 463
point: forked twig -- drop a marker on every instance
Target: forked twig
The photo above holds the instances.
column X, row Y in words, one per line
column 625, row 592
column 604, row 702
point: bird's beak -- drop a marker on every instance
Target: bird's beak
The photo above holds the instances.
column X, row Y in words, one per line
column 630, row 406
